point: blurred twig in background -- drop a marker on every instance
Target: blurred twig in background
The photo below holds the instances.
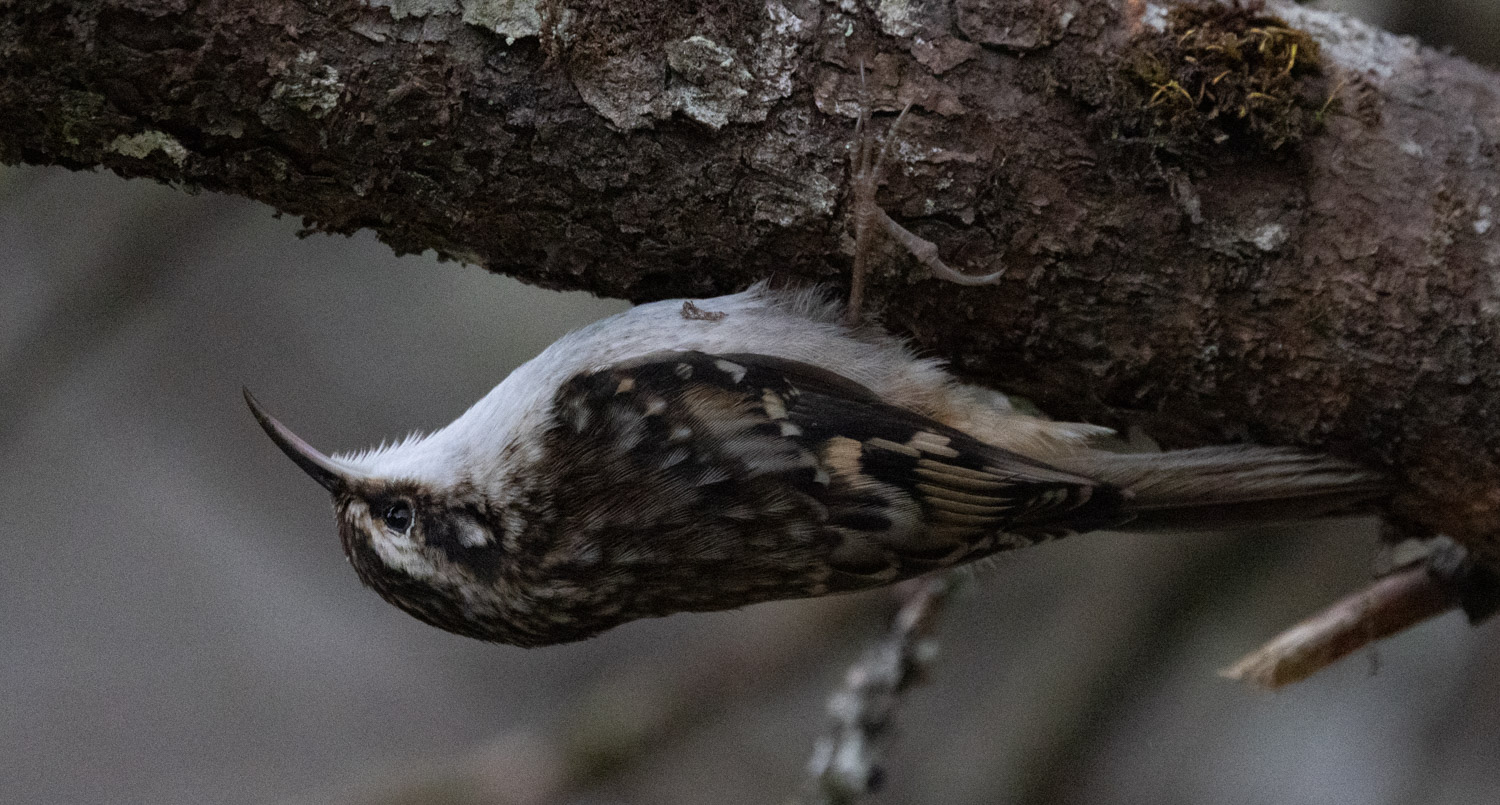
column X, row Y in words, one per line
column 846, row 763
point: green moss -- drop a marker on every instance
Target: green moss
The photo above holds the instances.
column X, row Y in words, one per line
column 1223, row 74
column 78, row 111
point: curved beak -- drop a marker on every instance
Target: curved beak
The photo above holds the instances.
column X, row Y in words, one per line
column 323, row 469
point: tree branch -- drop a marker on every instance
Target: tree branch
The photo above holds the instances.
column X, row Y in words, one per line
column 1297, row 248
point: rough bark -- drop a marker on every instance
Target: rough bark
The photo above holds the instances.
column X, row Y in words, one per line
column 1299, row 253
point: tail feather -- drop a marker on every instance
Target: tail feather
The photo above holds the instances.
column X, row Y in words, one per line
column 1221, row 487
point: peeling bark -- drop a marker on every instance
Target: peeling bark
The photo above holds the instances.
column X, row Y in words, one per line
column 1337, row 288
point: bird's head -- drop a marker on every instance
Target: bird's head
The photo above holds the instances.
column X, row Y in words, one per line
column 424, row 540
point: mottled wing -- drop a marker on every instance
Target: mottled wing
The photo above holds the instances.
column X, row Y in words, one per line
column 798, row 467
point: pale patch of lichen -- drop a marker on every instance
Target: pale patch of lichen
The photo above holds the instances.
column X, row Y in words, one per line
column 897, row 17
column 140, row 146
column 512, row 19
column 721, row 68
column 309, row 86
column 710, row 86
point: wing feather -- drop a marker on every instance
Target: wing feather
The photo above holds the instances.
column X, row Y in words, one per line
column 778, row 453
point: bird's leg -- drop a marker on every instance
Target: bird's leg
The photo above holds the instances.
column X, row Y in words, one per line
column 864, row 181
column 867, row 170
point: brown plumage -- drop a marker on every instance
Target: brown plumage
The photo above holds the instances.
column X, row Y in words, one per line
column 688, row 481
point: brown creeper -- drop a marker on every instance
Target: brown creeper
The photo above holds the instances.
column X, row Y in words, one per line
column 659, row 462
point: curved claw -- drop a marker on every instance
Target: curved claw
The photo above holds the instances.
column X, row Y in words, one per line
column 957, row 277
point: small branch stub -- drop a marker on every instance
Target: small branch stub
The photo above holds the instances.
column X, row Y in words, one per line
column 846, row 763
column 1390, row 605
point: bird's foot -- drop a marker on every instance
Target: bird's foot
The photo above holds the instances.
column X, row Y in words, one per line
column 868, row 159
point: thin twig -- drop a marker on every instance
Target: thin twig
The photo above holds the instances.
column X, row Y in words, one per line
column 1388, row 606
column 846, row 763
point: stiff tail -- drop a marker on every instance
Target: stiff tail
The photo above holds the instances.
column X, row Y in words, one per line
column 1223, row 487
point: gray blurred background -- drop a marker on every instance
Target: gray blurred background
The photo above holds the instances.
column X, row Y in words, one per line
column 179, row 626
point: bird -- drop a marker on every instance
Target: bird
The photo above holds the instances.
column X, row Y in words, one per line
column 697, row 455
column 709, row 454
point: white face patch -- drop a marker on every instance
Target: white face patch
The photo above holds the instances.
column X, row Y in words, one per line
column 472, row 534
column 398, row 551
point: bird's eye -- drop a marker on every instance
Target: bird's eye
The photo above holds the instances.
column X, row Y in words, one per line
column 397, row 516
